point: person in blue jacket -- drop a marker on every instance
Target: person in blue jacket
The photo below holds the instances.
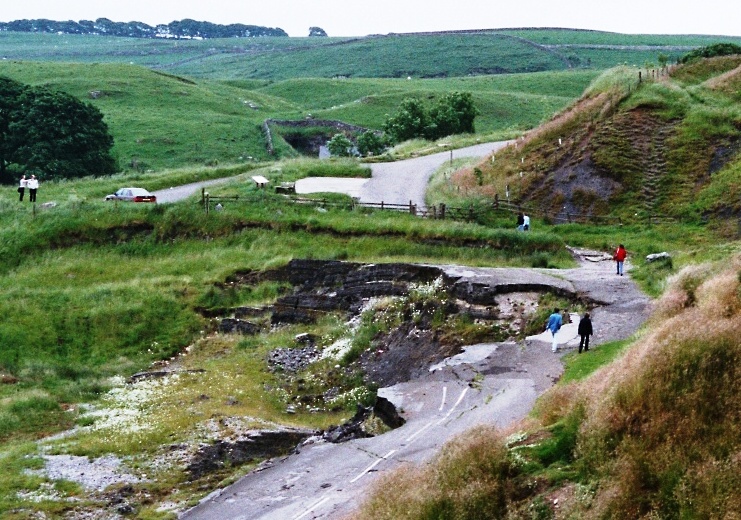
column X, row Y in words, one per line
column 554, row 325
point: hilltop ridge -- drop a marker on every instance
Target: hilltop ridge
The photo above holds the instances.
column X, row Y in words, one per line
column 183, row 29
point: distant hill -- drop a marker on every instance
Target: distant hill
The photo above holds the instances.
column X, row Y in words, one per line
column 417, row 55
column 183, row 29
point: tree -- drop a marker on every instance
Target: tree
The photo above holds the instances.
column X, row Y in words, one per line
column 51, row 134
column 370, row 143
column 409, row 122
column 317, row 31
column 340, row 146
column 453, row 114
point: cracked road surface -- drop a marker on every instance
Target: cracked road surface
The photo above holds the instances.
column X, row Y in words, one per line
column 495, row 384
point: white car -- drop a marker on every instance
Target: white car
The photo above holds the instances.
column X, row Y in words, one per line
column 132, row 195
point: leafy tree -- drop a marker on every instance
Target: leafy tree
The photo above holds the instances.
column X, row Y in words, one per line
column 340, row 146
column 412, row 120
column 51, row 134
column 370, row 143
column 317, row 31
column 453, row 114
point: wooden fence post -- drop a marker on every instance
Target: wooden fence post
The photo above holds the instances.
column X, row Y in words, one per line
column 207, row 197
column 442, row 211
column 496, row 200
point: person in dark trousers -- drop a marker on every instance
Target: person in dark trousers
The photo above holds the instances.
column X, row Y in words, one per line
column 585, row 330
column 619, row 257
column 520, row 221
column 22, row 188
column 33, row 185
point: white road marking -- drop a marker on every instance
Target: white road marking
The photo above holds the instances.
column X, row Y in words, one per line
column 460, row 398
column 431, row 423
column 311, row 508
column 415, row 434
column 445, row 393
column 366, row 470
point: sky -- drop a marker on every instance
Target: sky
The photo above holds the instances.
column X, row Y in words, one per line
column 361, row 18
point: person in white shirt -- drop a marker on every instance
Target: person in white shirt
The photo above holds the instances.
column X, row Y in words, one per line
column 526, row 223
column 22, row 188
column 33, row 185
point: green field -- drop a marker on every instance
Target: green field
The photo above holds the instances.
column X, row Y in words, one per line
column 163, row 121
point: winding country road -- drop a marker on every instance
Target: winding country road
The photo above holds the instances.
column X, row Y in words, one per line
column 495, row 383
column 399, row 182
column 394, row 183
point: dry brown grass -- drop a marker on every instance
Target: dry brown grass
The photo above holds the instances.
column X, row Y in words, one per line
column 728, row 82
column 466, row 481
column 671, row 407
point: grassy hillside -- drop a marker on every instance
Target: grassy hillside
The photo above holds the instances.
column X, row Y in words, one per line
column 419, row 55
column 162, row 121
column 665, row 146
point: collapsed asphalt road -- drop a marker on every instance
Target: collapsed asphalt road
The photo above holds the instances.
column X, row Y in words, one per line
column 495, row 384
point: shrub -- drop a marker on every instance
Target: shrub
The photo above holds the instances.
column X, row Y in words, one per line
column 340, row 146
column 710, row 51
column 370, row 143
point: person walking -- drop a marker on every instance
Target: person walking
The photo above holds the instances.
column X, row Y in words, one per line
column 33, row 185
column 22, row 187
column 585, row 330
column 554, row 325
column 619, row 257
column 520, row 221
column 526, row 223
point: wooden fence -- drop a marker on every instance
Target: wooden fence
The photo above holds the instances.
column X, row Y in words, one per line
column 442, row 211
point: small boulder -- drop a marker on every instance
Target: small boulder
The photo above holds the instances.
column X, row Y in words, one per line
column 657, row 256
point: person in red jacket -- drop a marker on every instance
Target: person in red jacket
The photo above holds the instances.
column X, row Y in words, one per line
column 619, row 258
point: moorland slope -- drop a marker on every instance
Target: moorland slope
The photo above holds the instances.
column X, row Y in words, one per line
column 631, row 147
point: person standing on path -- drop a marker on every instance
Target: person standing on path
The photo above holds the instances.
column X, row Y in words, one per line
column 585, row 330
column 619, row 257
column 22, row 187
column 33, row 185
column 554, row 325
